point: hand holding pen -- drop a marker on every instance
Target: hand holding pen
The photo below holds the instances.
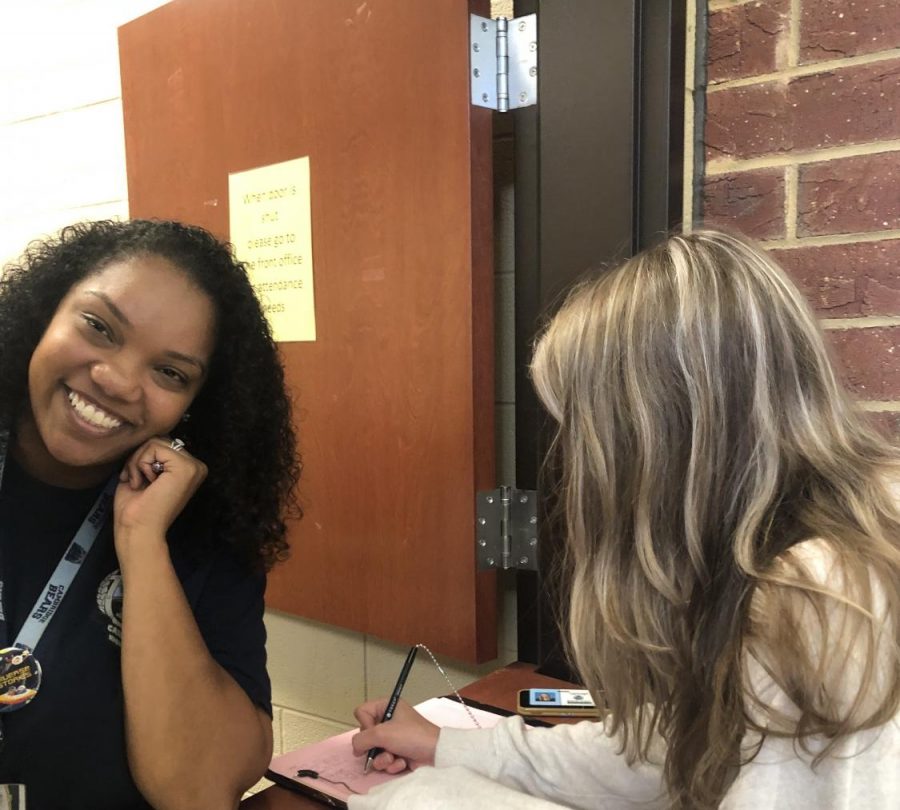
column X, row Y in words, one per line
column 392, row 701
column 410, row 740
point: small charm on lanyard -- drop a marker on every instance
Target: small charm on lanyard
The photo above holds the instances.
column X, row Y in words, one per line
column 20, row 678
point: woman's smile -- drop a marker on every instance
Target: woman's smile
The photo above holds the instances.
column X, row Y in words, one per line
column 91, row 414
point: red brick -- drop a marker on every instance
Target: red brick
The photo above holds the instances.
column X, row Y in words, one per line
column 752, row 202
column 832, row 29
column 854, row 105
column 887, row 423
column 868, row 361
column 851, row 195
column 859, row 104
column 748, row 121
column 847, row 281
column 744, row 40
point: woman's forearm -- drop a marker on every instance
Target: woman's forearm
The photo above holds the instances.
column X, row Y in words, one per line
column 195, row 740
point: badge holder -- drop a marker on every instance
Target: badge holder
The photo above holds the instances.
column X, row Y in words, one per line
column 20, row 679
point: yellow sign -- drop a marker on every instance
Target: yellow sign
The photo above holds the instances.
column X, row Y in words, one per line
column 271, row 230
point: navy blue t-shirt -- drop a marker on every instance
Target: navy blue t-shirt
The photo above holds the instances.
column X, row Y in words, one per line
column 68, row 745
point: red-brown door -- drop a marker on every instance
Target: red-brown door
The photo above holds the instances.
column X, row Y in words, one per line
column 394, row 399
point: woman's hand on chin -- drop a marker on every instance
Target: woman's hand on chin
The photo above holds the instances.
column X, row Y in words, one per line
column 155, row 485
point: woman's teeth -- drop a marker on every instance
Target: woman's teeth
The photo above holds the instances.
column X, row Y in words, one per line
column 91, row 414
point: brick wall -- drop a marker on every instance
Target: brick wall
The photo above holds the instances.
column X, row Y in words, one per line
column 802, row 151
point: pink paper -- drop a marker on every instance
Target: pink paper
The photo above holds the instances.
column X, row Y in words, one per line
column 335, row 763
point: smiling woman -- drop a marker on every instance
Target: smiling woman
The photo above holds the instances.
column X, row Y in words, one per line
column 152, row 659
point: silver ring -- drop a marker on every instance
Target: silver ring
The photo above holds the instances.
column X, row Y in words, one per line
column 158, row 467
column 177, row 445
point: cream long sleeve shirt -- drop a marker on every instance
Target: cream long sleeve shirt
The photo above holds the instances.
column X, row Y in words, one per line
column 514, row 767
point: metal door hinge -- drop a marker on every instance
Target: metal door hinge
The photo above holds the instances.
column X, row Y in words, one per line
column 503, row 62
column 506, row 530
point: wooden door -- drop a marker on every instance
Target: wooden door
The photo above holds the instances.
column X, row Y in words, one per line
column 394, row 399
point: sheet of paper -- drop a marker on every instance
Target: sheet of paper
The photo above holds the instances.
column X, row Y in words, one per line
column 448, row 713
column 271, row 229
column 334, row 761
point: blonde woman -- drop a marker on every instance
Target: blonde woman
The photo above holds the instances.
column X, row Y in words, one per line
column 732, row 562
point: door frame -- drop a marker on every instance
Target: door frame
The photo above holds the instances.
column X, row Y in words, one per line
column 599, row 175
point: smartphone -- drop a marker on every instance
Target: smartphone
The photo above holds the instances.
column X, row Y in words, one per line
column 557, row 702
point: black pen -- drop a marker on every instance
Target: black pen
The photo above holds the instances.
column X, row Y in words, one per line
column 392, row 703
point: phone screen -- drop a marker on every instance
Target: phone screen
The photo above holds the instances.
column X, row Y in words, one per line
column 560, row 697
column 558, row 702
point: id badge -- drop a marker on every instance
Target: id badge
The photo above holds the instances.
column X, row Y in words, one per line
column 20, row 678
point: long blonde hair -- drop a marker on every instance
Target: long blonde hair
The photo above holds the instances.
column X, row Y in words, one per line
column 702, row 436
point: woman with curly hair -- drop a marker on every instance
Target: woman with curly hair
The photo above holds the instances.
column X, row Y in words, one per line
column 138, row 378
column 732, row 561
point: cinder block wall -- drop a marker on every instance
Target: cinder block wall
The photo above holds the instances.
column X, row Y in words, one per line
column 802, row 150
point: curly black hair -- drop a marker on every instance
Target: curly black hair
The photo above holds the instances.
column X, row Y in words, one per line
column 240, row 422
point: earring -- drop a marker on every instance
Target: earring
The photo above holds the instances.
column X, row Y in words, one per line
column 185, row 417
